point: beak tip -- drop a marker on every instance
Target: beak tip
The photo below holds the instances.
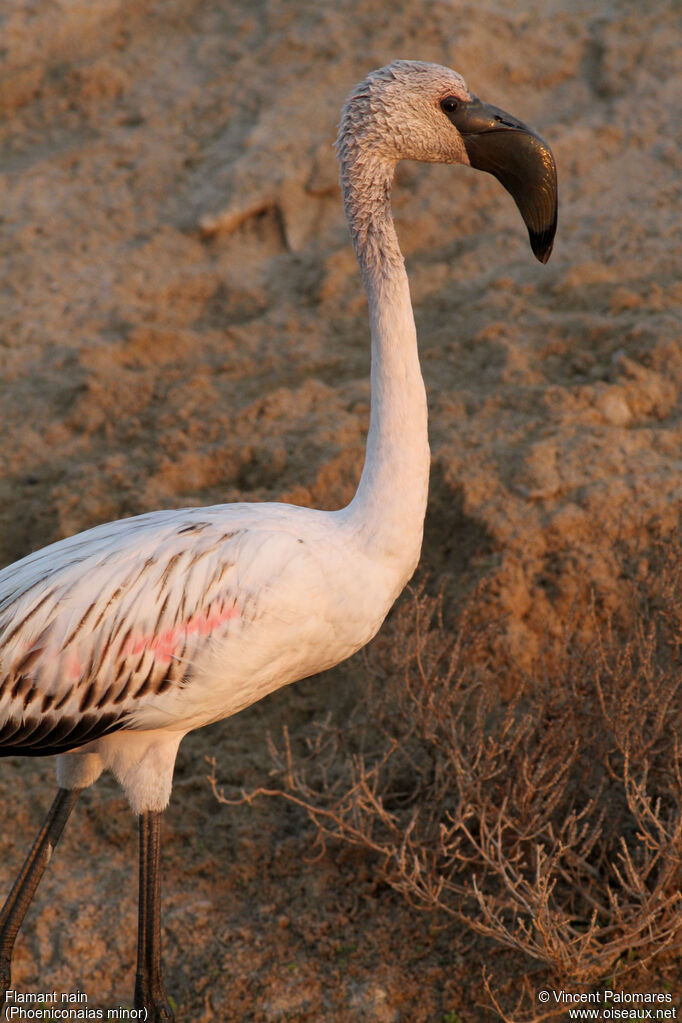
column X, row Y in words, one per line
column 543, row 257
column 542, row 243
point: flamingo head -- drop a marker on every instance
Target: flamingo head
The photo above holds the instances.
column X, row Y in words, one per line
column 410, row 110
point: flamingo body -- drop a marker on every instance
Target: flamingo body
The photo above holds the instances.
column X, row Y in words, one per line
column 135, row 632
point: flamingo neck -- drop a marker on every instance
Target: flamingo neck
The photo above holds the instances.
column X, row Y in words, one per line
column 388, row 509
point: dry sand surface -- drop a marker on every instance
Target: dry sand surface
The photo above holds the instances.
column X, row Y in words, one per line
column 183, row 323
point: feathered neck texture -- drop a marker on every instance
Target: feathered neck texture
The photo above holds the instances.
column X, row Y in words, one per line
column 388, row 510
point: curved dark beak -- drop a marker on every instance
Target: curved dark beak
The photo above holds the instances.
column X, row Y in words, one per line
column 499, row 144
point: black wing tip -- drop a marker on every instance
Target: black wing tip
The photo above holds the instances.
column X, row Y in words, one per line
column 48, row 735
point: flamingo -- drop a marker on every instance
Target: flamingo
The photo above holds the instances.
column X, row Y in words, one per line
column 118, row 641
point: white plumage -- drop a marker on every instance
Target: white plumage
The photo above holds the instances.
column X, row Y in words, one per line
column 135, row 632
column 117, row 642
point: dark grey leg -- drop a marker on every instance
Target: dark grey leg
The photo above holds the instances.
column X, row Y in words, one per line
column 149, row 992
column 19, row 898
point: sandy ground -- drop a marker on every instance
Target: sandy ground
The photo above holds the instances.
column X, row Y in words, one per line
column 183, row 323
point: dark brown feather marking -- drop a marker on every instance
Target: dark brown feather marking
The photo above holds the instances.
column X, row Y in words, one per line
column 124, row 691
column 130, row 584
column 47, row 701
column 172, row 562
column 108, row 696
column 140, row 661
column 30, row 695
column 126, row 638
column 21, row 686
column 199, row 555
column 122, row 669
column 159, row 617
column 194, row 527
column 91, row 670
column 21, row 624
column 87, row 700
column 106, row 646
column 146, row 684
column 119, row 623
column 167, row 681
column 29, row 659
column 68, row 693
column 79, row 625
column 229, row 536
column 220, row 572
column 112, row 599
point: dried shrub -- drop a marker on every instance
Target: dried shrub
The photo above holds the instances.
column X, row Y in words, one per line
column 550, row 823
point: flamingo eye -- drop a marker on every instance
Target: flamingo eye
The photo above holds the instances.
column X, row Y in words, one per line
column 449, row 104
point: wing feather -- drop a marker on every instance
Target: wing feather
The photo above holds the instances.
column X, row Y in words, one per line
column 96, row 624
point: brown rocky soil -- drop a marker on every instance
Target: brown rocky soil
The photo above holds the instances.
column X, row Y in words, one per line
column 183, row 323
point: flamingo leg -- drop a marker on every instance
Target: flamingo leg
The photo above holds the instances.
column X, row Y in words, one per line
column 19, row 899
column 149, row 990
